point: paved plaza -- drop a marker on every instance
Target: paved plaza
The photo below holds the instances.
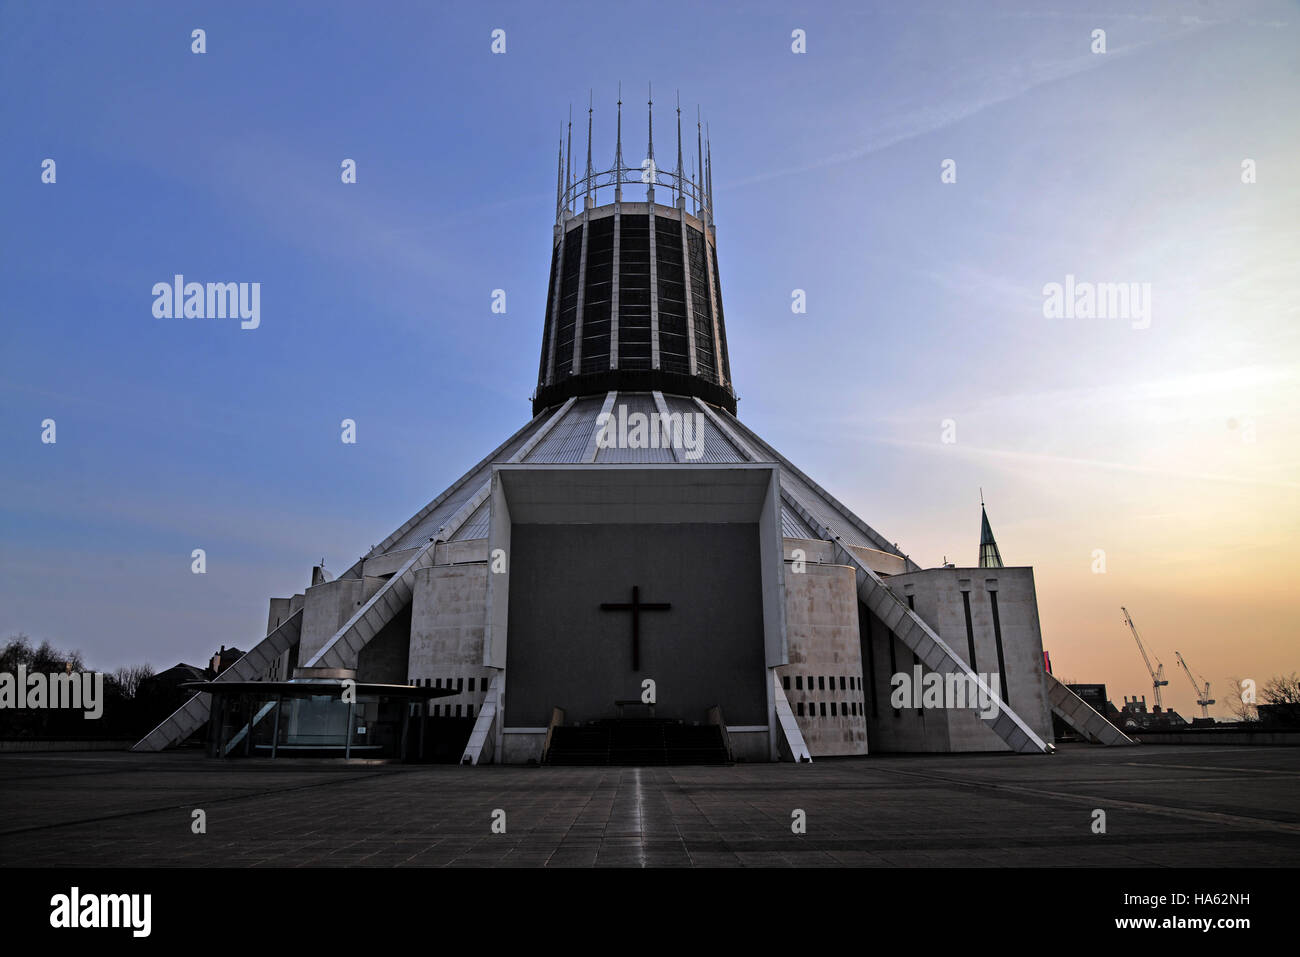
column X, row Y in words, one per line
column 1165, row 806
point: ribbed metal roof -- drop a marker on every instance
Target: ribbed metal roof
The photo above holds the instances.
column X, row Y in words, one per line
column 717, row 448
column 476, row 526
column 640, row 404
column 570, row 438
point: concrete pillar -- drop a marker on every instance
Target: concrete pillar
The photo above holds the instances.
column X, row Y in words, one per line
column 686, row 286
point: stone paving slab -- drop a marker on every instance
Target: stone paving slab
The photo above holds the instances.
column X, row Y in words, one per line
column 1189, row 806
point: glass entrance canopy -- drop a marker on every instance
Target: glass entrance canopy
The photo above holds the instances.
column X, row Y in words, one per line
column 310, row 718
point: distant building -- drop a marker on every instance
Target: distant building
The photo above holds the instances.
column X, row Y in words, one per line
column 1135, row 716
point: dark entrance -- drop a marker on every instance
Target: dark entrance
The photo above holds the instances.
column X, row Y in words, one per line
column 637, row 742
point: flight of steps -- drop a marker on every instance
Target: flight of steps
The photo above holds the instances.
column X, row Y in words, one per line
column 632, row 742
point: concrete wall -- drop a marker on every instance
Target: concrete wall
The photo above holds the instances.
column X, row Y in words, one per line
column 384, row 659
column 750, row 746
column 889, row 728
column 327, row 608
column 448, row 616
column 825, row 669
column 937, row 597
column 281, row 668
column 564, row 651
column 520, row 745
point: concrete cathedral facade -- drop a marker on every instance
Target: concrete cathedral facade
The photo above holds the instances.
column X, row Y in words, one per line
column 635, row 575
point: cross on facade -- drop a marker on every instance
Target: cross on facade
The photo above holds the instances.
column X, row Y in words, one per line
column 636, row 606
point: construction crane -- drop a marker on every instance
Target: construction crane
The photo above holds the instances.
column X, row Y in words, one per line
column 1158, row 672
column 1202, row 696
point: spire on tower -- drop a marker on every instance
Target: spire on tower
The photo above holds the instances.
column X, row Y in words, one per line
column 650, row 105
column 699, row 149
column 618, row 150
column 588, row 176
column 568, row 159
column 559, row 178
column 990, row 557
column 681, row 197
column 708, row 173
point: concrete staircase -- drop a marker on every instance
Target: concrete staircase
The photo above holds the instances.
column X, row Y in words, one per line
column 1081, row 716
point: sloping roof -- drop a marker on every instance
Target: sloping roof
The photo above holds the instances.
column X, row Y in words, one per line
column 567, row 439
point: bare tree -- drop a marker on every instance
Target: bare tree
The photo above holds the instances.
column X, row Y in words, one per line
column 1282, row 694
column 1282, row 689
column 1239, row 708
column 127, row 680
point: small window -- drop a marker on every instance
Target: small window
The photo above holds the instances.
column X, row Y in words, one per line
column 833, row 709
column 785, row 682
column 800, row 712
column 841, row 682
column 457, row 710
column 469, row 711
column 798, row 682
column 823, row 709
column 471, row 684
column 821, row 682
column 460, row 684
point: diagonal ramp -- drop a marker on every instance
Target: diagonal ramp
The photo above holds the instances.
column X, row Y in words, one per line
column 341, row 651
column 913, row 632
column 190, row 716
column 790, row 745
column 1081, row 716
column 910, row 628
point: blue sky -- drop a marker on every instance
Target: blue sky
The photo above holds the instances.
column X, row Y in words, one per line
column 924, row 298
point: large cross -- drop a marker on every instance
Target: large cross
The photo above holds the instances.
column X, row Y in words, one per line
column 636, row 606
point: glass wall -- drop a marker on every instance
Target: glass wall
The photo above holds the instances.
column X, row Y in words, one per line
column 309, row 725
column 568, row 302
column 597, row 295
column 634, row 293
column 673, row 354
column 700, row 306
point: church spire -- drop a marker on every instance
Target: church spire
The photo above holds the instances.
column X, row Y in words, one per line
column 559, row 180
column 587, row 202
column 681, row 198
column 618, row 150
column 699, row 148
column 568, row 164
column 650, row 113
column 990, row 557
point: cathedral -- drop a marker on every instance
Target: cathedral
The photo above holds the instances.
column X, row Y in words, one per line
column 635, row 576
